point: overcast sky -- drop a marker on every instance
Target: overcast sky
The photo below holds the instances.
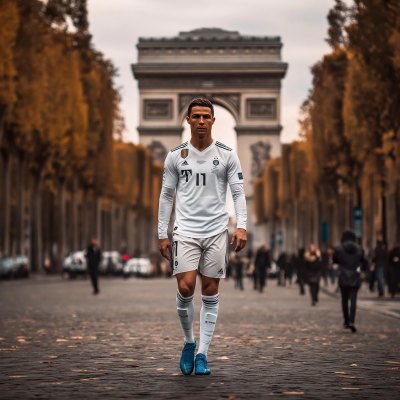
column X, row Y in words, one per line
column 116, row 26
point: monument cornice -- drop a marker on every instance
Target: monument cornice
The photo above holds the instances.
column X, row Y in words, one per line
column 160, row 131
column 188, row 44
column 258, row 130
column 146, row 69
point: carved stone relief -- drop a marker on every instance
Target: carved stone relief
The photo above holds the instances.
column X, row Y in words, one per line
column 158, row 109
column 261, row 108
column 260, row 156
column 158, row 150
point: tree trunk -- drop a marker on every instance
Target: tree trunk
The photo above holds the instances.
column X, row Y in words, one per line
column 2, row 119
column 372, row 214
column 61, row 222
column 335, row 222
column 85, row 221
column 295, row 225
column 36, row 214
column 113, row 222
column 384, row 222
column 98, row 219
column 20, row 220
column 74, row 214
column 316, row 223
column 7, row 167
column 397, row 211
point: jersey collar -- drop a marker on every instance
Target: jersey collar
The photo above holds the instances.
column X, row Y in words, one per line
column 205, row 150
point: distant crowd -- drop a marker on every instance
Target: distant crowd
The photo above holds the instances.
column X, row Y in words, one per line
column 379, row 269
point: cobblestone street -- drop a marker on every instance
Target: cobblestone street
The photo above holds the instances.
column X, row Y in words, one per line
column 59, row 341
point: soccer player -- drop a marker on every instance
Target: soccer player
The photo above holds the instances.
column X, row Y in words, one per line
column 199, row 170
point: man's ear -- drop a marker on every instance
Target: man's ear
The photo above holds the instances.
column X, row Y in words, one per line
column 187, row 119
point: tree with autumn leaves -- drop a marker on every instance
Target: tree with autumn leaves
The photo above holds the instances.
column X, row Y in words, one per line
column 350, row 122
column 59, row 120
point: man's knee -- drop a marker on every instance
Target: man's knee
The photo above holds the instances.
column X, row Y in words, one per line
column 209, row 286
column 185, row 290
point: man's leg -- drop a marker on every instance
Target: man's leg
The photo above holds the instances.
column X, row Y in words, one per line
column 345, row 305
column 186, row 254
column 353, row 305
column 185, row 304
column 213, row 265
column 208, row 312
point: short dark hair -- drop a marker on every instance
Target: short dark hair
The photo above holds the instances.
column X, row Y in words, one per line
column 200, row 103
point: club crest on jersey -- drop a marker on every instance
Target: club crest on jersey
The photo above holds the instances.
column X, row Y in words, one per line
column 184, row 153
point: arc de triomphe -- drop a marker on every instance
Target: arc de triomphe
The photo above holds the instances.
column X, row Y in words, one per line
column 240, row 73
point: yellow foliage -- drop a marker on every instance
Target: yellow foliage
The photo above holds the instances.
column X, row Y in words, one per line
column 9, row 20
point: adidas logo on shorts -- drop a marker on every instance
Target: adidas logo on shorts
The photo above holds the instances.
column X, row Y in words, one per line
column 185, row 163
column 221, row 271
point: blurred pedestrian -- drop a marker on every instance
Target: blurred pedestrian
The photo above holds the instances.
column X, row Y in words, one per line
column 394, row 270
column 289, row 269
column 312, row 259
column 380, row 259
column 282, row 268
column 239, row 265
column 262, row 263
column 331, row 266
column 93, row 256
column 325, row 266
column 300, row 270
column 349, row 256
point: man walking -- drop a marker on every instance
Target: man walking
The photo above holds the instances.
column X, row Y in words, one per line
column 200, row 170
column 93, row 257
column 262, row 263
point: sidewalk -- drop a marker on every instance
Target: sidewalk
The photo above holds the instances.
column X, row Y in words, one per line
column 369, row 301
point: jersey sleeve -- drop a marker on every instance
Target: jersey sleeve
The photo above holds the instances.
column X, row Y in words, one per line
column 170, row 175
column 234, row 170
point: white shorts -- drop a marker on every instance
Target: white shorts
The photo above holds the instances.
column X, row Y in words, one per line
column 210, row 255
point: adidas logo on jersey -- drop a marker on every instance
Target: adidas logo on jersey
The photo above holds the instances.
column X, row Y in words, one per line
column 185, row 163
column 221, row 271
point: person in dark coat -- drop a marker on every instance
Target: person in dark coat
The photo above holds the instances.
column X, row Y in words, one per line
column 349, row 256
column 300, row 270
column 282, row 268
column 261, row 264
column 312, row 258
column 93, row 257
column 380, row 259
column 394, row 270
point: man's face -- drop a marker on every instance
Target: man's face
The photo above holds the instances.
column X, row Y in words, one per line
column 200, row 121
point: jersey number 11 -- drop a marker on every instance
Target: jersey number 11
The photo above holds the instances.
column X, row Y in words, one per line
column 198, row 179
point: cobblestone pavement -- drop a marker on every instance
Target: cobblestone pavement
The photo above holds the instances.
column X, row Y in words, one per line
column 59, row 341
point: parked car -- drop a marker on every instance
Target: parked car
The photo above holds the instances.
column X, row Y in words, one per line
column 110, row 263
column 14, row 267
column 273, row 271
column 7, row 267
column 75, row 264
column 21, row 266
column 138, row 267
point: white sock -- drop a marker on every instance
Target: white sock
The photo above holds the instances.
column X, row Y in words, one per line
column 185, row 307
column 208, row 319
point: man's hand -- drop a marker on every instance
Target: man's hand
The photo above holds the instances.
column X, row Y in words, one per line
column 241, row 239
column 163, row 246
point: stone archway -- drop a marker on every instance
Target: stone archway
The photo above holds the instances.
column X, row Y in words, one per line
column 240, row 73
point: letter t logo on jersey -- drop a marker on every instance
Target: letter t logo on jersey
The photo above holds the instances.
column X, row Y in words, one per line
column 186, row 172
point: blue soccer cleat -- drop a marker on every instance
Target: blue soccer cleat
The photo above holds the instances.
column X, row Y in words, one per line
column 187, row 359
column 201, row 365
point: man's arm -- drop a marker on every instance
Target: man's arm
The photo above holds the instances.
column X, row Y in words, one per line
column 170, row 180
column 164, row 214
column 239, row 200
